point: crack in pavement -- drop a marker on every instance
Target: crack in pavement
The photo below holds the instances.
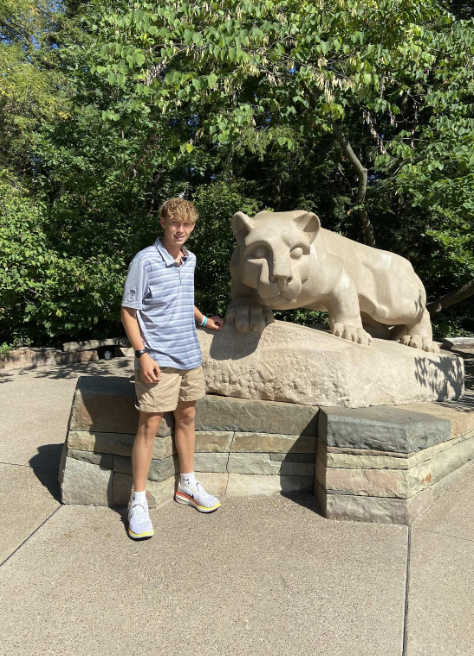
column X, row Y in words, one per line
column 31, row 535
column 407, row 588
column 446, row 535
column 19, row 464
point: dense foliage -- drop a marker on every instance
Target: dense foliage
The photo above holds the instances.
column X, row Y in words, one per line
column 108, row 108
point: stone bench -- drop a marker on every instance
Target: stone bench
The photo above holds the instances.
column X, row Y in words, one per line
column 384, row 464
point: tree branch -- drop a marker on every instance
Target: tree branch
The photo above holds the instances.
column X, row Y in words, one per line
column 458, row 295
column 361, row 173
column 359, row 169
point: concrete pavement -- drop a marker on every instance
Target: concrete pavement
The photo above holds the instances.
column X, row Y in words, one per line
column 260, row 576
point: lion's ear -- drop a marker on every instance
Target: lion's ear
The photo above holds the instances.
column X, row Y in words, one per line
column 310, row 224
column 241, row 225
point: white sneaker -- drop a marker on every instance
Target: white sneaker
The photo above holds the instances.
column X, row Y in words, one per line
column 139, row 522
column 197, row 497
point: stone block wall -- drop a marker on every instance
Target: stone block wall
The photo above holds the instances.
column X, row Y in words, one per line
column 386, row 464
column 382, row 464
column 242, row 447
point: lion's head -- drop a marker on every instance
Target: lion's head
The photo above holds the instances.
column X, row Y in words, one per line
column 274, row 253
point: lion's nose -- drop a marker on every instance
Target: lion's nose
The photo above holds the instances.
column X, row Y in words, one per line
column 282, row 279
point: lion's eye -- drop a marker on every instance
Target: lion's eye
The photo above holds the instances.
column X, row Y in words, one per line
column 296, row 253
column 259, row 252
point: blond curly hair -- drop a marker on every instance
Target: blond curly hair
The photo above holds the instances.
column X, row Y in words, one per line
column 178, row 209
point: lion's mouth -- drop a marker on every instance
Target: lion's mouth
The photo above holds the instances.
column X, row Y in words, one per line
column 286, row 294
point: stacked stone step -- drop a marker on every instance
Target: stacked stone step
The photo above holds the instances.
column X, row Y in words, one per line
column 386, row 464
column 243, row 447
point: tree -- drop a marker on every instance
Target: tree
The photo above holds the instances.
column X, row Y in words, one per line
column 29, row 92
column 265, row 104
column 221, row 70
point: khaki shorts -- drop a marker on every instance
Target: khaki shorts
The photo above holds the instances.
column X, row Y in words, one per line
column 175, row 385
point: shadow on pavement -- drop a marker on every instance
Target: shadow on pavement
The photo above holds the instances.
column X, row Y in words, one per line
column 305, row 500
column 45, row 465
column 49, row 479
column 6, row 377
column 115, row 367
column 48, row 457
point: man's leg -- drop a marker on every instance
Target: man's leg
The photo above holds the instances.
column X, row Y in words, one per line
column 142, row 451
column 184, row 434
column 190, row 491
column 139, row 522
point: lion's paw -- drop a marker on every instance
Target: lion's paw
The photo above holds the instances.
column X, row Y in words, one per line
column 420, row 342
column 249, row 318
column 430, row 346
column 414, row 341
column 352, row 333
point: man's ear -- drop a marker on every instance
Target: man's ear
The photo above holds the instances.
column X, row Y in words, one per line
column 309, row 224
column 241, row 225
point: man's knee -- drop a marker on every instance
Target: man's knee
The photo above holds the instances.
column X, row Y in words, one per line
column 148, row 424
column 185, row 413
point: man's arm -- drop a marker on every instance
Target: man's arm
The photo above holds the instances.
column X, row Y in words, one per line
column 149, row 368
column 215, row 323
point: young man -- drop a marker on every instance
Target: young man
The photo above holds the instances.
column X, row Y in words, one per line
column 159, row 316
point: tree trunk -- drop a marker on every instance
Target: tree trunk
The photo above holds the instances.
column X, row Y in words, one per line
column 361, row 173
column 452, row 298
column 359, row 169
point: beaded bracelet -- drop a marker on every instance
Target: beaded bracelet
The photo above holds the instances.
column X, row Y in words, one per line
column 204, row 321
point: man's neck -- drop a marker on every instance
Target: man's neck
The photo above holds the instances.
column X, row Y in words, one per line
column 173, row 249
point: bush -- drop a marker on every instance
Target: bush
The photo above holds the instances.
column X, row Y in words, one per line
column 46, row 295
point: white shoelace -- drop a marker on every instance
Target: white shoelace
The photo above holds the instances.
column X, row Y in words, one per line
column 138, row 511
column 200, row 488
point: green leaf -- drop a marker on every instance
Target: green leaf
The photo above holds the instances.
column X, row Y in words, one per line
column 139, row 58
column 211, row 80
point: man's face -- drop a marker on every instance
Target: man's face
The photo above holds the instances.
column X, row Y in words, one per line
column 176, row 233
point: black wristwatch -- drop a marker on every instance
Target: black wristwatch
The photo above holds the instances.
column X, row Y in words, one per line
column 138, row 354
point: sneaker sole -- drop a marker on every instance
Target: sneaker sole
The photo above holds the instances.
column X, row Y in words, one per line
column 180, row 497
column 141, row 536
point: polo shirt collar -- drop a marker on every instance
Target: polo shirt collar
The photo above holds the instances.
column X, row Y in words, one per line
column 167, row 257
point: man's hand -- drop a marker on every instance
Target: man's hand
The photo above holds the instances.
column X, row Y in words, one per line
column 150, row 370
column 215, row 323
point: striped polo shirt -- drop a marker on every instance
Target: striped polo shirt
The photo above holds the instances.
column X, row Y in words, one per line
column 163, row 293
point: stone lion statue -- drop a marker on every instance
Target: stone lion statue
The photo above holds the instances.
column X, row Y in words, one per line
column 285, row 260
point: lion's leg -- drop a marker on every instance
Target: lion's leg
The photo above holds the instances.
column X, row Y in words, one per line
column 344, row 312
column 417, row 335
column 248, row 315
column 245, row 311
column 374, row 328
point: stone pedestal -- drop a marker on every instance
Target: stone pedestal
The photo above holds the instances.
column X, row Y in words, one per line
column 296, row 364
column 382, row 464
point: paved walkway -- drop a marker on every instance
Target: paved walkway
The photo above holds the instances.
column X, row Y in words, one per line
column 260, row 576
